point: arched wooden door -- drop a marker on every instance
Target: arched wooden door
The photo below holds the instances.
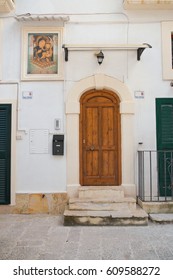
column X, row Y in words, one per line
column 100, row 154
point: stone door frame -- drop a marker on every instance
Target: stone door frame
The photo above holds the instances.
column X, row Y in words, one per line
column 100, row 82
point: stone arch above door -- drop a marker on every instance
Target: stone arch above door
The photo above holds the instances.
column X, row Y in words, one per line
column 100, row 82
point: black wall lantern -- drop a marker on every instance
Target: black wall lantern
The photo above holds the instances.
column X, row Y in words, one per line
column 100, row 57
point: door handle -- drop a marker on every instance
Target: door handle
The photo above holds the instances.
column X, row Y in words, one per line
column 92, row 148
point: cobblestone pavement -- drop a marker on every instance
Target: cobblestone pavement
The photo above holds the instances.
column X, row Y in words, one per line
column 43, row 237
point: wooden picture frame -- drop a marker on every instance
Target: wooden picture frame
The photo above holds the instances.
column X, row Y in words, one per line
column 167, row 50
column 41, row 53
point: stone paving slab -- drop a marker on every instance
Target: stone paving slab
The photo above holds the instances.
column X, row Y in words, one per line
column 41, row 237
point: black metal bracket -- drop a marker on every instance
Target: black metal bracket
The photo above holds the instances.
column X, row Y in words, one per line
column 140, row 51
column 66, row 52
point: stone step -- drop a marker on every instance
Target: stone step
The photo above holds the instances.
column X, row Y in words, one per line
column 137, row 217
column 112, row 192
column 162, row 218
column 102, row 204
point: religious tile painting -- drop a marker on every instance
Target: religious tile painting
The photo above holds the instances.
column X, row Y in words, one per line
column 42, row 53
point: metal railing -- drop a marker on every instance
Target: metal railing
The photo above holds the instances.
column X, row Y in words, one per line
column 155, row 175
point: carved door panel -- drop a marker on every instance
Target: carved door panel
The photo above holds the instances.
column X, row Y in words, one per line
column 100, row 139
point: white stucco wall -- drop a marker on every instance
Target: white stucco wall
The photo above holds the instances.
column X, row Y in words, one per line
column 102, row 22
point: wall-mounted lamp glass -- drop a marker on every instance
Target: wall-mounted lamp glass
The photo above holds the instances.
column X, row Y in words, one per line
column 100, row 57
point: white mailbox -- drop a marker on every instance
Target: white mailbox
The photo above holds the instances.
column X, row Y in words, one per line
column 7, row 6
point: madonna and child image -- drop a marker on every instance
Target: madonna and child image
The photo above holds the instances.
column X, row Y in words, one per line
column 42, row 54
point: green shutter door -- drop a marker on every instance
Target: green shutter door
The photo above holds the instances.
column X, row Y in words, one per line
column 5, row 153
column 164, row 122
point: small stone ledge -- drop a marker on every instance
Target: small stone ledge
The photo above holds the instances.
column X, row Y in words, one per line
column 156, row 207
column 161, row 218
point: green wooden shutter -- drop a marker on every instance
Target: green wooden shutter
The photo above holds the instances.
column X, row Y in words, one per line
column 164, row 122
column 164, row 115
column 5, row 153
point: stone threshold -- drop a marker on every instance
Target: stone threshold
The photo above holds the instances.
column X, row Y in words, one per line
column 115, row 188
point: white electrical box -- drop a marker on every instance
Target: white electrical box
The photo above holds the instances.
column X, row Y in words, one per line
column 39, row 141
column 7, row 6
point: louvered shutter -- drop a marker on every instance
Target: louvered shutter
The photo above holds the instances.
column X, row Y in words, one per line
column 164, row 116
column 5, row 153
column 164, row 121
